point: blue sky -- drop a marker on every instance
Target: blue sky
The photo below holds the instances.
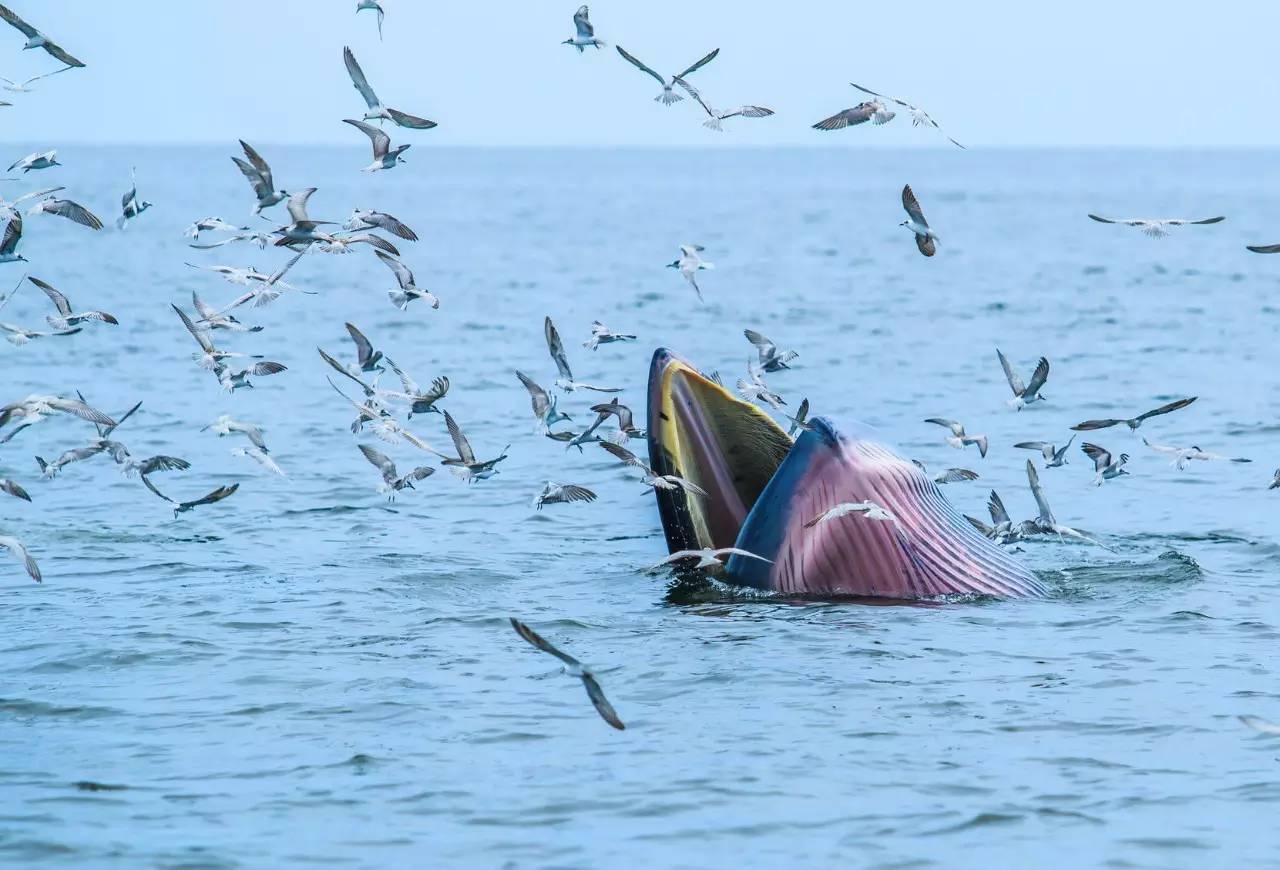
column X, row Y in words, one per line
column 994, row 74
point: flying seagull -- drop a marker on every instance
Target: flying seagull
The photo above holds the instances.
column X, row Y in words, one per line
column 601, row 334
column 259, row 456
column 556, row 348
column 690, row 264
column 1105, row 466
column 666, row 482
column 384, row 156
column 68, row 209
column 10, row 487
column 545, row 412
column 868, row 509
column 20, row 335
column 668, row 96
column 1180, row 456
column 958, row 439
column 800, row 421
column 586, row 34
column 24, row 86
column 408, row 291
column 626, row 419
column 9, row 209
column 392, row 481
column 1264, row 249
column 771, row 358
column 301, row 228
column 1053, row 457
column 872, row 110
column 66, row 318
column 211, row 224
column 33, row 409
column 707, row 557
column 36, row 39
column 573, row 668
column 562, row 493
column 130, row 205
column 362, row 5
column 465, row 464
column 377, row 111
column 1024, row 394
column 9, row 244
column 182, row 507
column 1134, row 422
column 1045, row 523
column 918, row 116
column 1262, row 726
column 1275, row 480
column 951, row 475
column 36, row 159
column 1002, row 530
column 715, row 117
column 926, row 239
column 420, row 401
column 16, row 547
column 756, row 390
column 226, row 425
column 364, row 219
column 1156, row 228
column 259, row 176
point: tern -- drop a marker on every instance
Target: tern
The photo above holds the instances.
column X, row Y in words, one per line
column 1002, row 530
column 377, row 111
column 871, row 110
column 409, row 290
column 1134, row 422
column 756, row 390
column 1182, row 455
column 384, row 427
column 65, row 319
column 1262, row 726
column 36, row 159
column 182, row 507
column 234, row 380
column 715, row 118
column 24, row 86
column 363, row 5
column 918, row 116
column 556, row 348
column 771, row 358
column 801, row 419
column 392, row 481
column 258, row 173
column 130, row 205
column 1105, row 465
column 707, row 557
column 20, row 335
column 1024, row 394
column 50, row 469
column 17, row 548
column 951, row 475
column 562, row 493
column 601, row 334
column 665, row 482
column 36, row 39
column 364, row 219
column 259, row 456
column 465, row 464
column 384, row 156
column 868, row 509
column 1053, row 457
column 9, row 244
column 690, row 264
column 668, row 96
column 1045, row 522
column 420, row 401
column 13, row 489
column 301, row 227
column 626, row 420
column 9, row 209
column 213, row 319
column 142, row 467
column 545, row 412
column 226, row 425
column 958, row 439
column 33, row 409
column 1264, row 249
column 1275, row 480
column 367, row 358
column 926, row 239
column 1155, row 228
column 211, row 224
column 69, row 209
column 573, row 668
column 586, row 34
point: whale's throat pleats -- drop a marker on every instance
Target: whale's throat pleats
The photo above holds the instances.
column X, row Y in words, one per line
column 701, row 432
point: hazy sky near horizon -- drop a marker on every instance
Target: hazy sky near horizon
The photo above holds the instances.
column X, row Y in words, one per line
column 493, row 73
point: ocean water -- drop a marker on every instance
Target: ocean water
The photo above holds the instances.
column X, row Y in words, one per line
column 304, row 674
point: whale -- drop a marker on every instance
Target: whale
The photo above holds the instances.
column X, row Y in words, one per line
column 763, row 491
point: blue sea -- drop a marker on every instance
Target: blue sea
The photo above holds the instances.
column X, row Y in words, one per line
column 305, row 674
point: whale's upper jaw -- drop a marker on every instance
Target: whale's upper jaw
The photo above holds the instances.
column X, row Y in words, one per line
column 701, row 432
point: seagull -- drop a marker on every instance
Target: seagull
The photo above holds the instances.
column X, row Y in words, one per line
column 211, row 319
column 364, row 219
column 24, row 86
column 562, row 493
column 951, row 475
column 226, row 425
column 1275, row 480
column 341, row 244
column 65, row 319
column 626, row 420
column 1024, row 394
column 142, row 467
column 707, row 557
column 232, row 381
column 211, row 224
column 926, row 239
column 958, row 439
column 384, row 426
column 1156, row 228
column 1104, row 464
column 573, row 668
column 420, row 401
column 19, row 335
column 301, row 227
column 668, row 96
column 105, row 431
column 366, row 357
column 1264, row 249
column 9, row 244
column 586, row 34
column 36, row 159
column 665, row 482
column 716, row 118
column 392, row 481
column 771, row 359
column 33, row 409
column 800, row 420
column 1260, row 725
column 182, row 507
column 130, row 205
column 1045, row 523
column 260, row 456
column 362, row 5
column 566, row 381
column 869, row 509
column 1183, row 455
column 1002, row 529
column 384, row 156
column 13, row 489
column 377, row 111
column 66, row 208
column 209, row 357
column 1134, row 422
column 1053, row 457
column 601, row 334
column 16, row 547
column 268, row 287
column 465, row 465
column 261, row 239
column 36, row 39
column 756, row 390
column 408, row 291
column 918, row 116
column 545, row 412
column 690, row 264
column 259, row 175
column 241, row 277
column 871, row 110
column 9, row 209
column 50, row 469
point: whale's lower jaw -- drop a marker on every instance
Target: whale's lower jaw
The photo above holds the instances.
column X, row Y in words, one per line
column 763, row 492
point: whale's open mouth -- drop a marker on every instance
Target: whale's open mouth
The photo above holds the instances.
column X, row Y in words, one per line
column 765, row 493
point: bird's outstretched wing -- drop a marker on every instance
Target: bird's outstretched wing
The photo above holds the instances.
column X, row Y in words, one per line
column 358, row 80
column 460, row 442
column 556, row 347
column 700, row 63
column 639, row 65
column 1166, row 409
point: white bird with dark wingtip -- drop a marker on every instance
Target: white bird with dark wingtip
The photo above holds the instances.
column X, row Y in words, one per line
column 690, row 263
column 226, row 425
column 1275, row 480
column 408, row 291
column 372, row 5
column 209, row 357
column 20, row 552
column 181, row 507
column 951, row 475
column 573, row 668
column 367, row 219
column 918, row 115
column 872, row 110
column 707, row 557
column 562, row 493
column 130, row 205
column 1180, row 456
column 384, row 156
column 36, row 39
column 1105, row 466
column 1133, row 422
column 212, row 319
column 601, row 334
column 9, row 209
column 258, row 173
column 301, row 229
column 211, row 224
column 756, row 390
column 65, row 319
column 545, row 412
column 771, row 358
column 585, row 33
column 715, row 117
column 68, row 209
column 626, row 419
column 926, row 239
column 260, row 456
column 668, row 96
column 665, row 482
column 9, row 245
column 556, row 348
column 465, row 465
column 24, row 86
column 1046, row 523
column 377, row 111
column 1053, row 457
column 420, row 401
column 36, row 160
column 33, row 409
column 868, row 509
column 958, row 439
column 12, row 488
column 20, row 335
column 392, row 480
column 1024, row 393
column 1156, row 228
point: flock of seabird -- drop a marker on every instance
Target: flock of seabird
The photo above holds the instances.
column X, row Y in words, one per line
column 377, row 407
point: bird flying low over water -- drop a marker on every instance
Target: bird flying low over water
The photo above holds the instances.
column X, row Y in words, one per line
column 363, row 5
column 918, row 116
column 226, row 425
column 1180, row 456
column 211, row 224
column 384, row 156
column 20, row 335
column 1264, row 249
column 182, row 507
column 668, row 96
column 1024, row 394
column 66, row 208
column 66, row 318
column 130, row 205
column 377, row 111
column 9, row 244
column 1045, row 523
column 1105, row 466
column 958, row 439
column 585, row 33
column 707, row 557
column 771, row 358
column 1156, row 228
column 659, row 482
column 1053, row 457
column 545, row 412
column 573, row 668
column 716, row 117
column 392, row 481
column 24, row 86
column 408, row 291
column 33, row 409
column 756, row 390
column 689, row 264
column 1275, row 481
column 951, row 475
column 19, row 550
column 601, row 334
column 1134, row 422
column 926, row 239
column 258, row 173
column 871, row 110
column 556, row 348
column 11, row 488
column 36, row 39
column 465, row 465
column 562, row 493
column 365, row 219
